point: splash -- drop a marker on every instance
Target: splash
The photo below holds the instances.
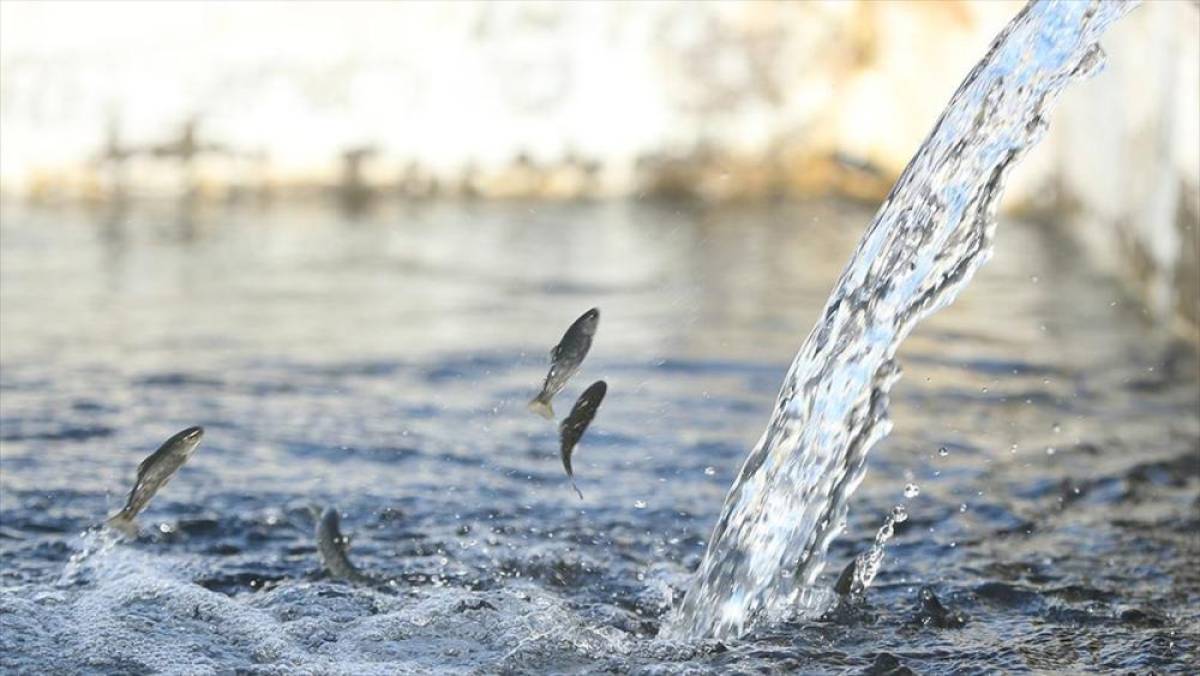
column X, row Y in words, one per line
column 93, row 543
column 866, row 565
column 930, row 236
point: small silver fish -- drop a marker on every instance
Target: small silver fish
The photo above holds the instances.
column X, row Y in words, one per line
column 565, row 359
column 154, row 473
column 576, row 423
column 332, row 546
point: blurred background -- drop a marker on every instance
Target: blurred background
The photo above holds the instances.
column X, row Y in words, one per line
column 374, row 103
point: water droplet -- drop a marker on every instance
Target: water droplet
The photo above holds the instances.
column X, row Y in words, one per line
column 943, row 452
column 639, row 504
column 899, row 514
column 710, row 470
column 1057, row 428
column 912, row 491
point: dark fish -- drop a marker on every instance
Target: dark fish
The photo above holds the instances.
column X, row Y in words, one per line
column 845, row 581
column 332, row 546
column 154, row 472
column 933, row 613
column 576, row 423
column 565, row 359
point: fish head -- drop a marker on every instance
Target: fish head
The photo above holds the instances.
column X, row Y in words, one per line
column 187, row 440
column 589, row 321
column 331, row 521
column 330, row 529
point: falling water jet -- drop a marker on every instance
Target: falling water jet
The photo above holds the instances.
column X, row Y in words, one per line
column 928, row 238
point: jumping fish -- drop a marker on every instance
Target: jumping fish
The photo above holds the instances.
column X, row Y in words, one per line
column 565, row 359
column 576, row 423
column 154, row 472
column 332, row 546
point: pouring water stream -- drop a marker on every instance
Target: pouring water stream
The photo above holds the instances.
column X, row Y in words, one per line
column 928, row 238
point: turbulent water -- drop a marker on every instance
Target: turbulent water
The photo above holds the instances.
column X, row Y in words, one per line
column 934, row 230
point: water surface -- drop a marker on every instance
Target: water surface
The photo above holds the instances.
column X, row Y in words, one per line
column 382, row 362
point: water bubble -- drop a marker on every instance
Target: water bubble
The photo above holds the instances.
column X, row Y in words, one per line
column 639, row 504
column 1056, row 428
column 710, row 470
column 1049, row 450
column 962, row 507
column 1034, row 279
column 943, row 451
column 899, row 514
column 912, row 491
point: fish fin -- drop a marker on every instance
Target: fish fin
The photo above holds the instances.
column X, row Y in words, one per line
column 123, row 524
column 146, row 462
column 542, row 407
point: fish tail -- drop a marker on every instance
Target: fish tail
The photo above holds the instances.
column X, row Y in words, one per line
column 541, row 406
column 576, row 488
column 123, row 524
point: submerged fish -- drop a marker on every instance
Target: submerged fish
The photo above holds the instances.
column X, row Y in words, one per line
column 576, row 423
column 332, row 546
column 933, row 613
column 565, row 359
column 154, row 472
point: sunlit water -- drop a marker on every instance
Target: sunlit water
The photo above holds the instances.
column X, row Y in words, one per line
column 382, row 363
column 933, row 231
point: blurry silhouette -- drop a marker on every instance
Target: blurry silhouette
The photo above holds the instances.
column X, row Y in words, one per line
column 353, row 192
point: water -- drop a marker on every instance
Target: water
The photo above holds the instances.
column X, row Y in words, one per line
column 382, row 362
column 931, row 234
